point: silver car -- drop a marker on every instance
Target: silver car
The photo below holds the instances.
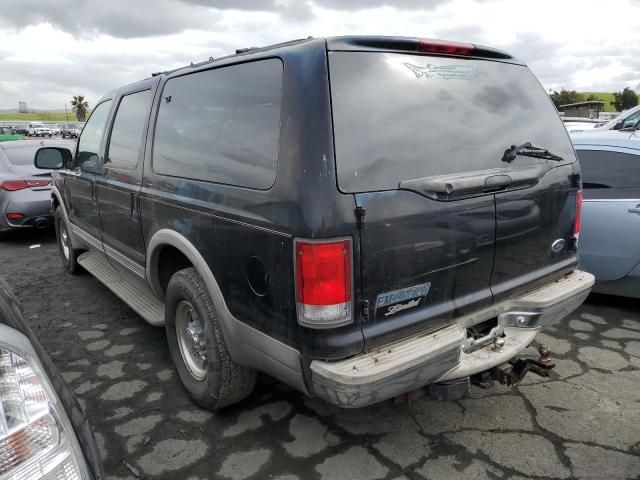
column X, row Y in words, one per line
column 25, row 191
column 610, row 234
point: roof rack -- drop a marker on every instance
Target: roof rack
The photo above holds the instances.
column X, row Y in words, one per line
column 239, row 51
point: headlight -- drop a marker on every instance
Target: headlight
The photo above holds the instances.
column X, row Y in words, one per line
column 36, row 437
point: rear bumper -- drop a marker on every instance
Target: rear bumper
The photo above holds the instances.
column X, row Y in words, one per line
column 35, row 205
column 447, row 354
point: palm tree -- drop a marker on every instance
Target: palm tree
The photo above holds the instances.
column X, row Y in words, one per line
column 80, row 106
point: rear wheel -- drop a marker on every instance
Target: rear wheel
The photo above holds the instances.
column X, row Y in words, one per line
column 197, row 346
column 68, row 254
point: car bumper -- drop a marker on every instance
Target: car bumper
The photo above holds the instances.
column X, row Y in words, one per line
column 35, row 205
column 447, row 353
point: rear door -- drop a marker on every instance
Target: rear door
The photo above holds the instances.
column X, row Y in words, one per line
column 419, row 141
column 611, row 182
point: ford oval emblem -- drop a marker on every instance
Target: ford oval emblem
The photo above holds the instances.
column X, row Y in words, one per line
column 558, row 245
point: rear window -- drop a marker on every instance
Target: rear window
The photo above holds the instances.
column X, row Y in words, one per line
column 401, row 117
column 21, row 156
column 221, row 125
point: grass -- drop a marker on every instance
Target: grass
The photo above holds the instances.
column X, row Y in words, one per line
column 37, row 116
column 607, row 98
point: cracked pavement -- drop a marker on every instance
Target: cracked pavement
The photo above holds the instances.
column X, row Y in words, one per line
column 583, row 422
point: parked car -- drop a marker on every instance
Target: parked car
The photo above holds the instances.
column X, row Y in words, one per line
column 71, row 130
column 354, row 247
column 609, row 246
column 626, row 119
column 577, row 124
column 55, row 129
column 43, row 430
column 25, row 191
column 21, row 129
column 7, row 134
column 39, row 130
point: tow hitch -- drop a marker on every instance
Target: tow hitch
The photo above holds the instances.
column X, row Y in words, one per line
column 513, row 372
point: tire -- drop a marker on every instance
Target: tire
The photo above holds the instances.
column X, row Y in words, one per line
column 68, row 256
column 219, row 381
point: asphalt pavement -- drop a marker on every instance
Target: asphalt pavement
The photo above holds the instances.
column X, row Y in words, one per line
column 583, row 422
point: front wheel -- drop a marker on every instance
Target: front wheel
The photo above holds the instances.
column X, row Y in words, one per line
column 198, row 348
column 68, row 254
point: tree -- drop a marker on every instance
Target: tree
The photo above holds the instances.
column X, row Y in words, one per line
column 80, row 107
column 625, row 99
column 564, row 97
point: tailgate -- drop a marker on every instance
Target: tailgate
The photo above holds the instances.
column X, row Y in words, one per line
column 420, row 141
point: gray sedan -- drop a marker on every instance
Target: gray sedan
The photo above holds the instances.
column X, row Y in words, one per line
column 610, row 233
column 25, row 191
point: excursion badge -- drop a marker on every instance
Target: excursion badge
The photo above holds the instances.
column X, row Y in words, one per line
column 392, row 303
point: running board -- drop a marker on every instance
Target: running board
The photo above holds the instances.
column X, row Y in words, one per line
column 133, row 293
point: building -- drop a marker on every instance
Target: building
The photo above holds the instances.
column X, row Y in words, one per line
column 22, row 107
column 590, row 109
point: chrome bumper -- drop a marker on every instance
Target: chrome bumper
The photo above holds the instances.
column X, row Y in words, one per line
column 447, row 354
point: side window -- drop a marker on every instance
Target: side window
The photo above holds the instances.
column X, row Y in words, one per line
column 607, row 169
column 127, row 131
column 89, row 143
column 632, row 119
column 221, row 125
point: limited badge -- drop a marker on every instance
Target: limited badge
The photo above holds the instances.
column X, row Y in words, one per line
column 392, row 303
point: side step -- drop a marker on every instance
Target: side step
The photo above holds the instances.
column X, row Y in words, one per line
column 133, row 293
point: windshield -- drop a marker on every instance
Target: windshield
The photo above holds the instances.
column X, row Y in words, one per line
column 629, row 116
column 401, row 117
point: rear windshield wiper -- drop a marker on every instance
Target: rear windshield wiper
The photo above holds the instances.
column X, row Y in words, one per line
column 529, row 150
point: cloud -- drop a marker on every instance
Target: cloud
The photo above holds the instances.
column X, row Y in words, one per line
column 53, row 49
column 118, row 18
column 366, row 4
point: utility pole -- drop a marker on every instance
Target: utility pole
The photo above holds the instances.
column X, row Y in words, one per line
column 66, row 112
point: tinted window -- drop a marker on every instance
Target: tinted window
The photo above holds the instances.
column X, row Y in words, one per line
column 221, row 125
column 89, row 143
column 606, row 169
column 400, row 117
column 127, row 131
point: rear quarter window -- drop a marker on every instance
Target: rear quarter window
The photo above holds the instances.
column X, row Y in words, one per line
column 221, row 125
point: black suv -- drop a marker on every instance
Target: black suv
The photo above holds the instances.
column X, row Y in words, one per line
column 356, row 216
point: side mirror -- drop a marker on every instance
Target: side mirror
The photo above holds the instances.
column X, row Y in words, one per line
column 618, row 125
column 53, row 158
column 631, row 127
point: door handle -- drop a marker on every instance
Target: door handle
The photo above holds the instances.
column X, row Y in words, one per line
column 94, row 193
column 470, row 184
column 495, row 183
column 635, row 210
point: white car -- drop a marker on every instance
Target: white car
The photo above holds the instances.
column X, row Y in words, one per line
column 39, row 130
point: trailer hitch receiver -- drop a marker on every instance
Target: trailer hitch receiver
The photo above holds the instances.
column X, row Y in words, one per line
column 513, row 372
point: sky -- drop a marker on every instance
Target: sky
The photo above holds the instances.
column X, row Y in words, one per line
column 51, row 50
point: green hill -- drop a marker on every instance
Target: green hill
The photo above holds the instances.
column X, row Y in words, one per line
column 36, row 116
column 607, row 98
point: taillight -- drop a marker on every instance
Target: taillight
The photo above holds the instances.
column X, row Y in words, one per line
column 578, row 221
column 323, row 282
column 38, row 183
column 15, row 216
column 446, row 48
column 13, row 185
